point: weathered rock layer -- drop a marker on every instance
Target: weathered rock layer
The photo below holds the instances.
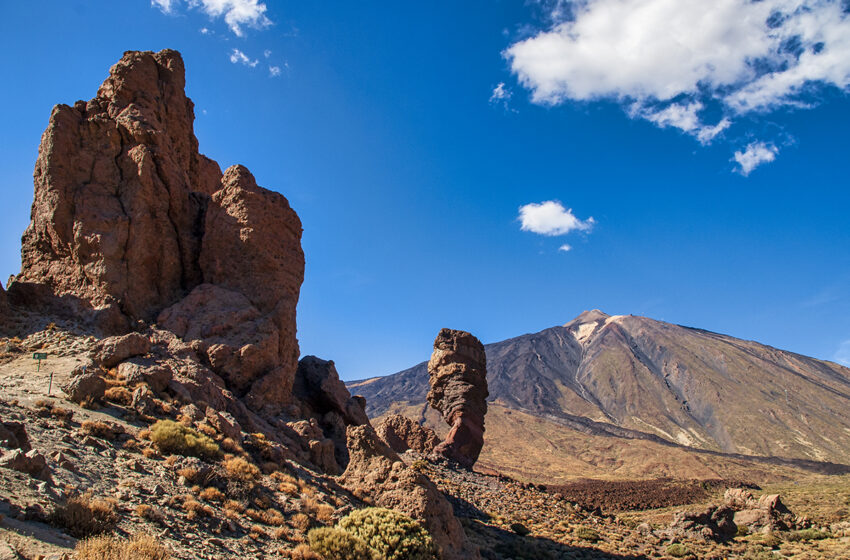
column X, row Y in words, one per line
column 458, row 379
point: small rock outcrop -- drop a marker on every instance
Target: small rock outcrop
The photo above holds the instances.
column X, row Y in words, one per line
column 766, row 513
column 377, row 472
column 458, row 379
column 715, row 523
column 402, row 434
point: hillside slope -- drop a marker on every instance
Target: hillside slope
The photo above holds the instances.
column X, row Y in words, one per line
column 636, row 378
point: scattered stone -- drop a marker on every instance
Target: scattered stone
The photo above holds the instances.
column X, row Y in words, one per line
column 13, row 435
column 458, row 379
column 32, row 462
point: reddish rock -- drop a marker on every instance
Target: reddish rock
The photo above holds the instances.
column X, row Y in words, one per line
column 111, row 351
column 458, row 370
column 402, row 433
column 252, row 245
column 715, row 523
column 765, row 513
column 377, row 471
column 87, row 385
column 324, row 398
column 116, row 221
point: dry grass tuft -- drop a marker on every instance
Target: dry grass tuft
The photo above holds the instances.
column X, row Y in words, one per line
column 83, row 516
column 211, row 494
column 300, row 521
column 304, row 552
column 98, row 428
column 139, row 547
column 119, row 395
column 239, row 469
column 146, row 511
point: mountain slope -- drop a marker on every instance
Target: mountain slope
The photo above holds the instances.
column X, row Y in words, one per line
column 636, row 378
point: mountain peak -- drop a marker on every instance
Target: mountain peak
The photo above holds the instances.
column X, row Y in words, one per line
column 591, row 316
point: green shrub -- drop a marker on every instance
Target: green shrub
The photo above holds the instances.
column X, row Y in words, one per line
column 336, row 544
column 172, row 437
column 677, row 550
column 519, row 529
column 587, row 534
column 393, row 535
column 807, row 535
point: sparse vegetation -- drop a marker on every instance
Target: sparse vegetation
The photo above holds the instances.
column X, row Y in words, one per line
column 119, row 395
column 98, row 428
column 139, row 547
column 239, row 469
column 392, row 535
column 336, row 544
column 677, row 550
column 171, row 437
column 84, row 516
column 807, row 535
column 587, row 534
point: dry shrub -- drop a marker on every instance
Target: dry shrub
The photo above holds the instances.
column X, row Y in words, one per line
column 150, row 453
column 269, row 516
column 44, row 407
column 239, row 469
column 144, row 434
column 83, row 516
column 206, row 429
column 211, row 494
column 194, row 509
column 390, row 534
column 171, row 437
column 324, row 513
column 300, row 521
column 281, row 533
column 189, row 473
column 146, row 511
column 288, row 488
column 89, row 403
column 256, row 532
column 171, row 460
column 229, row 445
column 233, row 509
column 139, row 547
column 118, row 395
column 303, row 552
column 98, row 428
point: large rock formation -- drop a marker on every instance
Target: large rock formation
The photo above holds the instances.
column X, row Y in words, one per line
column 377, row 474
column 458, row 370
column 131, row 224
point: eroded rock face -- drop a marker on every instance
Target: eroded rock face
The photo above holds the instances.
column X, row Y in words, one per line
column 767, row 513
column 120, row 197
column 715, row 523
column 458, row 370
column 401, row 434
column 377, row 471
column 131, row 224
column 324, row 398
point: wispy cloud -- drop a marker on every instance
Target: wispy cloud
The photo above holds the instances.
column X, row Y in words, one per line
column 238, row 57
column 500, row 93
column 551, row 218
column 755, row 154
column 565, row 248
column 842, row 355
column 274, row 71
column 237, row 14
column 687, row 64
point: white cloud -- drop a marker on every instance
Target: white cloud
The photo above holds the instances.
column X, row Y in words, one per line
column 551, row 218
column 500, row 93
column 205, row 31
column 274, row 71
column 236, row 13
column 238, row 57
column 755, row 154
column 565, row 248
column 842, row 355
column 267, row 53
column 667, row 60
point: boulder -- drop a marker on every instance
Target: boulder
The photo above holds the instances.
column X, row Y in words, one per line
column 143, row 401
column 134, row 372
column 376, row 471
column 13, row 435
column 402, row 433
column 766, row 513
column 715, row 523
column 113, row 350
column 225, row 423
column 86, row 385
column 458, row 381
column 32, row 462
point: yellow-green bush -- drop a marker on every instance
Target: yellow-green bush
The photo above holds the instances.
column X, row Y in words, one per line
column 336, row 544
column 140, row 547
column 172, row 437
column 392, row 535
column 677, row 550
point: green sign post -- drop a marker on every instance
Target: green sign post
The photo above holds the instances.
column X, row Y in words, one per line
column 39, row 356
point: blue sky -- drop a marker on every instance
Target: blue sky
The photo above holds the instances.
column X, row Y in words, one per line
column 500, row 166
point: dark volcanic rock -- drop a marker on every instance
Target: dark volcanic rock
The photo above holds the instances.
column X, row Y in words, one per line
column 458, row 370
